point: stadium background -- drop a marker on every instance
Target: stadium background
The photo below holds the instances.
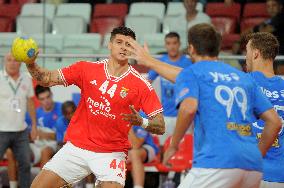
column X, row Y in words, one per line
column 67, row 31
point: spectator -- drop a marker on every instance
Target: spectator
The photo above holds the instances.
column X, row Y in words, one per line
column 47, row 114
column 183, row 23
column 274, row 24
column 143, row 150
column 45, row 145
column 173, row 57
column 68, row 109
column 15, row 98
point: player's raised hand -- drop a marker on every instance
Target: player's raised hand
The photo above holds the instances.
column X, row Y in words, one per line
column 139, row 53
column 134, row 118
column 168, row 155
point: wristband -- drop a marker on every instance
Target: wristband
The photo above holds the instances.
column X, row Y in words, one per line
column 145, row 123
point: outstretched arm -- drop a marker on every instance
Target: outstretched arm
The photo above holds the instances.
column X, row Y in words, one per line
column 141, row 55
column 43, row 76
column 186, row 114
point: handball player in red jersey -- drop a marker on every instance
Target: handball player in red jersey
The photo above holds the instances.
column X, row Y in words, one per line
column 112, row 93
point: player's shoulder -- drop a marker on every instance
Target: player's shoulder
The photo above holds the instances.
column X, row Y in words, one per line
column 163, row 57
column 139, row 79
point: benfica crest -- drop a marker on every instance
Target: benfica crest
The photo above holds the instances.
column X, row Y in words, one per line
column 123, row 92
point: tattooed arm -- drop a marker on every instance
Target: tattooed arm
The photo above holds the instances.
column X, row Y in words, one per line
column 156, row 124
column 43, row 76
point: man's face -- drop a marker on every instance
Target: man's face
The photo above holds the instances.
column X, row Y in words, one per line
column 46, row 100
column 172, row 45
column 11, row 65
column 273, row 8
column 249, row 57
column 68, row 113
column 117, row 47
column 190, row 5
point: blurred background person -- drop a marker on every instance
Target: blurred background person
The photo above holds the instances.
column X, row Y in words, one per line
column 45, row 146
column 274, row 24
column 15, row 99
column 176, row 58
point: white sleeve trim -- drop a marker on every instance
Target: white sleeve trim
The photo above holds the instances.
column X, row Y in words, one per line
column 62, row 77
column 155, row 112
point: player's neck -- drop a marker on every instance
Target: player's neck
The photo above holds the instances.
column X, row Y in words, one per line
column 14, row 76
column 264, row 66
column 49, row 109
column 190, row 15
column 116, row 68
column 205, row 58
column 175, row 58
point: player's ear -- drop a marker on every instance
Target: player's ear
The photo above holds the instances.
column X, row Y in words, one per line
column 190, row 49
column 255, row 53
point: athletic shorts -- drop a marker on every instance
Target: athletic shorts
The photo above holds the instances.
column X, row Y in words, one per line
column 73, row 164
column 216, row 178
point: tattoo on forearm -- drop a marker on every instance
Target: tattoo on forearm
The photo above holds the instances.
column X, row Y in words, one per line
column 43, row 76
column 156, row 125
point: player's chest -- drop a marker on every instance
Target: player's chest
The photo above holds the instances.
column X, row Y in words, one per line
column 110, row 91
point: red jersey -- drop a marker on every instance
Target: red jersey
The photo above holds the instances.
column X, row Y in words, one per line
column 97, row 124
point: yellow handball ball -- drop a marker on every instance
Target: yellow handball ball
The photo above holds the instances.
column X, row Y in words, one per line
column 24, row 49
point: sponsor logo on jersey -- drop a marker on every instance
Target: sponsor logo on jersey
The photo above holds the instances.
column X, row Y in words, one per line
column 242, row 129
column 100, row 108
column 272, row 94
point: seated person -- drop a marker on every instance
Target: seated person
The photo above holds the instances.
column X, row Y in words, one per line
column 143, row 150
column 68, row 109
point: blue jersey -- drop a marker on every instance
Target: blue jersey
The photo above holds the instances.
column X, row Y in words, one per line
column 47, row 119
column 148, row 139
column 228, row 101
column 273, row 163
column 167, row 88
column 61, row 127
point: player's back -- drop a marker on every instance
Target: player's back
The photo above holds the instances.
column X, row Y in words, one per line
column 226, row 107
column 274, row 159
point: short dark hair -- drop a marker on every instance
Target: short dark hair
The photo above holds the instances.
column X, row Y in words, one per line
column 265, row 42
column 40, row 89
column 68, row 104
column 172, row 35
column 205, row 39
column 123, row 31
